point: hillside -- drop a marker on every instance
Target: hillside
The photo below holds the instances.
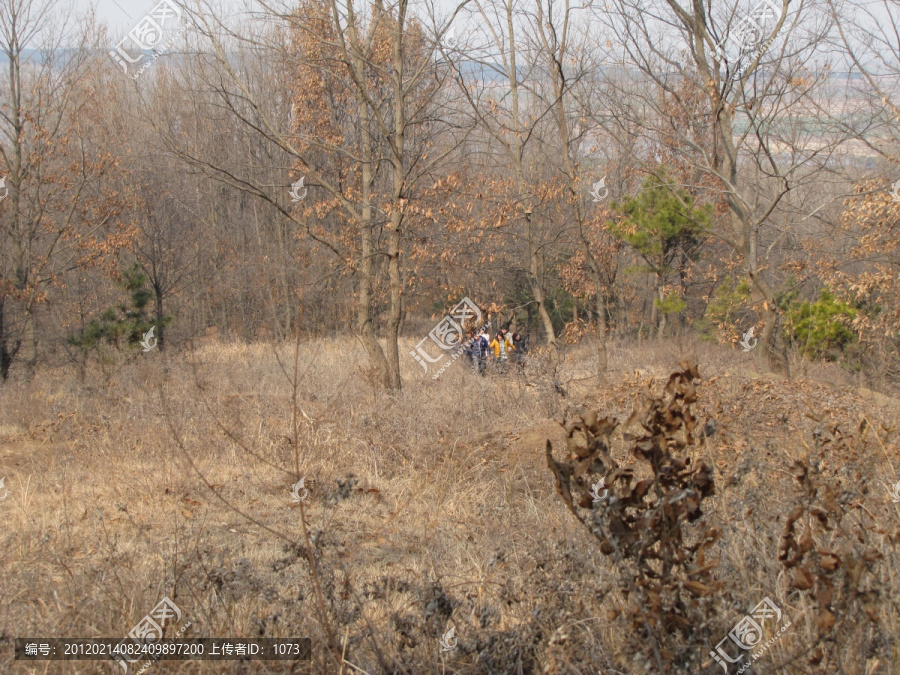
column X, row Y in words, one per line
column 428, row 509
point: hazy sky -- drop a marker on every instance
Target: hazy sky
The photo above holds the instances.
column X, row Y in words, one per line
column 122, row 15
column 119, row 15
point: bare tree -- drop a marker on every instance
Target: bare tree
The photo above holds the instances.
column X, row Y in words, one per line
column 757, row 75
column 564, row 47
column 365, row 156
column 503, row 62
column 56, row 213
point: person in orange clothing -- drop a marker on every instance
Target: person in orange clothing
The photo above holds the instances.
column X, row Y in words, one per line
column 502, row 345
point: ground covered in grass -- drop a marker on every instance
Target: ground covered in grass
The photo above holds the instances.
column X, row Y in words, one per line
column 429, row 510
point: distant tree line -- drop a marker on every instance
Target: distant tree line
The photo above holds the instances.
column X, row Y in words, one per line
column 591, row 171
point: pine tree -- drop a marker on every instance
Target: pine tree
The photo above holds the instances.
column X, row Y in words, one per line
column 126, row 323
column 661, row 224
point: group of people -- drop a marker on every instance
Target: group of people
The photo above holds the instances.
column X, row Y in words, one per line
column 505, row 347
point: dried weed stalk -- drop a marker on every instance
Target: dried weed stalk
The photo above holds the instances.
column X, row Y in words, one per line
column 651, row 529
column 829, row 548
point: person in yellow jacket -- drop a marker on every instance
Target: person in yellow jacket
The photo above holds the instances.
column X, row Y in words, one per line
column 502, row 345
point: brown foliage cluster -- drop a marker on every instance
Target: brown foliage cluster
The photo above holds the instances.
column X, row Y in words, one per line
column 828, row 545
column 649, row 525
column 867, row 275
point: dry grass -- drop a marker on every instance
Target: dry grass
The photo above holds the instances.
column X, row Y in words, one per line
column 428, row 509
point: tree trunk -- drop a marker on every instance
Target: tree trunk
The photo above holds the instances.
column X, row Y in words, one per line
column 367, row 264
column 396, row 311
column 769, row 358
column 534, row 278
column 395, row 228
column 682, row 278
column 602, row 359
column 599, row 300
column 525, row 195
column 663, row 317
column 364, row 307
column 161, row 339
column 29, row 338
column 6, row 354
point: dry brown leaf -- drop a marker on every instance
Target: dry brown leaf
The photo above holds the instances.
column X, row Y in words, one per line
column 825, row 620
column 802, row 580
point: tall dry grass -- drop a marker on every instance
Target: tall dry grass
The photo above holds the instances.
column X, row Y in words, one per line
column 428, row 509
